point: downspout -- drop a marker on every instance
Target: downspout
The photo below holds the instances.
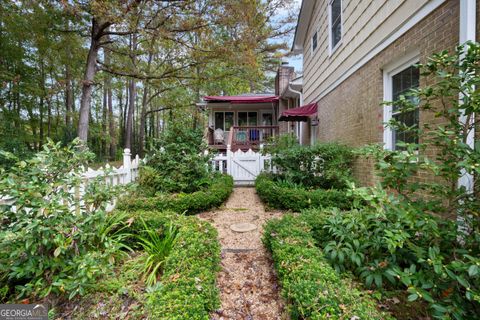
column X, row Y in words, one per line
column 468, row 12
column 301, row 104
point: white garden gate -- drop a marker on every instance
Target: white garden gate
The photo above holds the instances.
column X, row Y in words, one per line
column 244, row 167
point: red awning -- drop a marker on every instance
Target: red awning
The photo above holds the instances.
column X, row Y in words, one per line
column 242, row 99
column 299, row 114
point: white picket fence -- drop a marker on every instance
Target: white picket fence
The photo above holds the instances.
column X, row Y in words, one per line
column 126, row 173
column 244, row 167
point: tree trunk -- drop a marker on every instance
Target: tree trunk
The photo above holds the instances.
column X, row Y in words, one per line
column 68, row 95
column 131, row 99
column 131, row 108
column 49, row 117
column 143, row 120
column 111, row 123
column 42, row 102
column 98, row 26
column 125, row 111
column 40, row 106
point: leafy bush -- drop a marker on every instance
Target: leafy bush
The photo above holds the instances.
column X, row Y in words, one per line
column 443, row 150
column 312, row 289
column 437, row 261
column 324, row 165
column 219, row 190
column 285, row 195
column 50, row 242
column 176, row 162
column 187, row 288
column 157, row 245
column 391, row 243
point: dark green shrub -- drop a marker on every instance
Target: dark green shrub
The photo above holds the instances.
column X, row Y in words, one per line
column 50, row 243
column 176, row 162
column 324, row 165
column 218, row 191
column 282, row 195
column 391, row 243
column 311, row 287
column 439, row 265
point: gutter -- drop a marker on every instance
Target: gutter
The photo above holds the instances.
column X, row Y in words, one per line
column 468, row 19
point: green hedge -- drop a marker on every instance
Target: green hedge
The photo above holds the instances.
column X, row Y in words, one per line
column 218, row 191
column 187, row 288
column 296, row 199
column 310, row 286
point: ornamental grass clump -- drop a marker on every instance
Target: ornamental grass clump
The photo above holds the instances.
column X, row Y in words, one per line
column 157, row 245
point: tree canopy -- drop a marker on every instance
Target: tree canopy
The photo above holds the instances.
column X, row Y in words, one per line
column 115, row 73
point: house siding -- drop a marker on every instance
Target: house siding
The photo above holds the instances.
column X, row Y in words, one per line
column 365, row 23
column 351, row 112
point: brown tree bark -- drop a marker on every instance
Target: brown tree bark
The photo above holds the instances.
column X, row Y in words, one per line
column 131, row 99
column 111, row 123
column 97, row 32
column 68, row 95
column 143, row 113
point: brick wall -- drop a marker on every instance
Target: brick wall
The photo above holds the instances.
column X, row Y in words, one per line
column 352, row 114
column 284, row 75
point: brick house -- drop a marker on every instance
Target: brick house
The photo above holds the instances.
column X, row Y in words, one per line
column 357, row 54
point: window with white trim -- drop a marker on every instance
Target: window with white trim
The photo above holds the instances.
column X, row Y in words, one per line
column 223, row 120
column 397, row 82
column 335, row 23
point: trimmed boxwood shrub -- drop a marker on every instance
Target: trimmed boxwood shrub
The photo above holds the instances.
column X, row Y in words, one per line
column 297, row 198
column 310, row 286
column 187, row 288
column 213, row 196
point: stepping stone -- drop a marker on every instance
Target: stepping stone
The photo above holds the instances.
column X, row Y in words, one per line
column 243, row 227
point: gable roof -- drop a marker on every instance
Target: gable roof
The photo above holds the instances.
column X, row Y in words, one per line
column 304, row 16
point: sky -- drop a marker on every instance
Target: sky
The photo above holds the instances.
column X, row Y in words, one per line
column 295, row 61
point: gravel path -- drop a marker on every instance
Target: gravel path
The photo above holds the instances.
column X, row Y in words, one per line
column 247, row 282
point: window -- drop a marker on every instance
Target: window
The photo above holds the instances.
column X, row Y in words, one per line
column 314, row 41
column 223, row 120
column 267, row 119
column 397, row 82
column 335, row 13
column 247, row 119
column 402, row 82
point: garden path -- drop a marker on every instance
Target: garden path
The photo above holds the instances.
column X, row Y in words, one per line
column 247, row 282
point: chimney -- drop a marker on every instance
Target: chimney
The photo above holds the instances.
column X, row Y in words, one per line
column 285, row 73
